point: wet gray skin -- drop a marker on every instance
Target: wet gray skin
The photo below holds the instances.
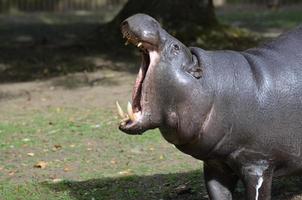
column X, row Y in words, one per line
column 239, row 112
column 166, row 99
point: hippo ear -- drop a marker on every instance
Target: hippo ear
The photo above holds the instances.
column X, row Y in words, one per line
column 194, row 69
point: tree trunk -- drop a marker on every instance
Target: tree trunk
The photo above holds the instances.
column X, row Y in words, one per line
column 219, row 3
column 182, row 19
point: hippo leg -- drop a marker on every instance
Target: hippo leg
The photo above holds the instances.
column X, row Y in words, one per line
column 257, row 181
column 220, row 180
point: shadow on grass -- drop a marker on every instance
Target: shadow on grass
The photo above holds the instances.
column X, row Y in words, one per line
column 38, row 47
column 35, row 51
column 179, row 186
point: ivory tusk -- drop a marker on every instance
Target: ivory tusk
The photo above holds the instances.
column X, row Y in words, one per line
column 120, row 110
column 130, row 112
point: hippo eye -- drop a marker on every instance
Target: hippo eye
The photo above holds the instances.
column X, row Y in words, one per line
column 176, row 47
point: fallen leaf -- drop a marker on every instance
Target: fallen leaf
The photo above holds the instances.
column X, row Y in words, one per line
column 11, row 173
column 25, row 139
column 89, row 149
column 161, row 157
column 136, row 150
column 113, row 162
column 72, row 145
column 31, row 154
column 41, row 165
column 67, row 169
column 182, row 189
column 57, row 180
column 58, row 146
column 126, row 172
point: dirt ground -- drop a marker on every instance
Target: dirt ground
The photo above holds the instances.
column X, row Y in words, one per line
column 97, row 89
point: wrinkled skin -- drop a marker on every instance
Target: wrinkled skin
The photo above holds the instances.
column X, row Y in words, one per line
column 239, row 112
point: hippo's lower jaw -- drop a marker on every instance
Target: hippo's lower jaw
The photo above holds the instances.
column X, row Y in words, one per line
column 135, row 124
column 136, row 127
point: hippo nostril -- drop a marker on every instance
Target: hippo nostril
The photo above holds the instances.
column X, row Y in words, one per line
column 125, row 28
column 124, row 24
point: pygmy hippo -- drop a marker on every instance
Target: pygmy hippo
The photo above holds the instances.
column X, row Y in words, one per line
column 239, row 112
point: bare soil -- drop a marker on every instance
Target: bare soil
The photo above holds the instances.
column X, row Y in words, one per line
column 97, row 89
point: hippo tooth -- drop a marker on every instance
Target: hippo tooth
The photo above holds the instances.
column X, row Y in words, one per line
column 139, row 44
column 120, row 110
column 130, row 111
column 127, row 42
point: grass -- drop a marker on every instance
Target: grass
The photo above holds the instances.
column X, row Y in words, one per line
column 84, row 149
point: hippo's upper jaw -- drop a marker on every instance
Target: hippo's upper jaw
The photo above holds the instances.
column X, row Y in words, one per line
column 142, row 31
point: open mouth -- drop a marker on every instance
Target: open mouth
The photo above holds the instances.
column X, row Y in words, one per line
column 149, row 57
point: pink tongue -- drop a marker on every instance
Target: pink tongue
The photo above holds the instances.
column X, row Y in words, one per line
column 136, row 94
column 137, row 91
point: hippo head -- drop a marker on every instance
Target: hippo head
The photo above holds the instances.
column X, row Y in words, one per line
column 169, row 92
